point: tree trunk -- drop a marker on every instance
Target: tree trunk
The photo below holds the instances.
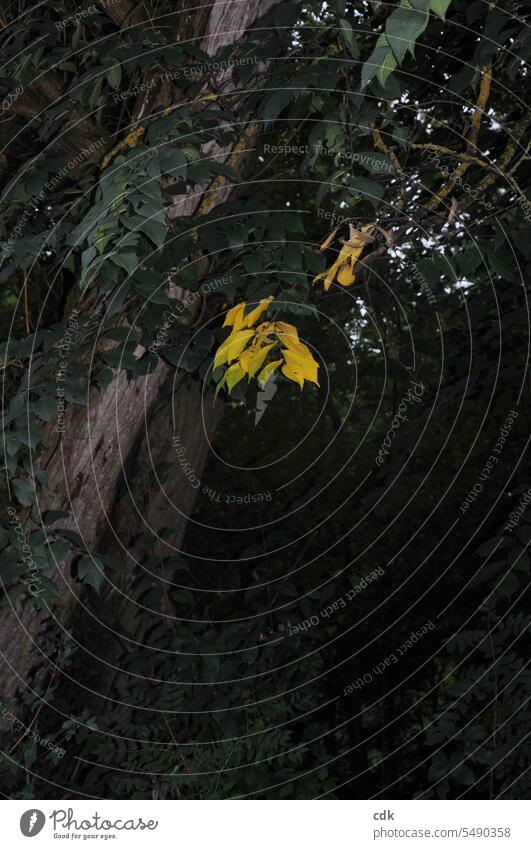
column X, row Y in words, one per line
column 90, row 464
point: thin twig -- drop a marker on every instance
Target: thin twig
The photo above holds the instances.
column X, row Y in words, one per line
column 26, row 305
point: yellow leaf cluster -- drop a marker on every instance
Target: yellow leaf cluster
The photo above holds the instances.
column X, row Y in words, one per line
column 342, row 269
column 247, row 347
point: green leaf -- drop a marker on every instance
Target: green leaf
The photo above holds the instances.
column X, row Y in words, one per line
column 274, row 105
column 367, row 189
column 122, row 356
column 122, row 334
column 52, row 516
column 403, row 28
column 114, row 76
column 387, row 67
column 89, row 571
column 225, row 169
column 491, row 545
column 464, row 775
column 57, row 551
column 439, row 7
column 487, row 572
column 76, row 392
column 173, row 161
column 374, row 63
column 183, row 597
column 24, row 491
column 129, row 262
column 400, row 135
column 45, row 407
column 71, row 535
column 154, row 230
column 112, row 563
column 463, row 78
column 501, row 262
column 346, row 30
column 151, row 208
column 10, row 567
column 374, row 161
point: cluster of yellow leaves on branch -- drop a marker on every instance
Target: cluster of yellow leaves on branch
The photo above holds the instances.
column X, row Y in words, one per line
column 249, row 344
column 343, row 268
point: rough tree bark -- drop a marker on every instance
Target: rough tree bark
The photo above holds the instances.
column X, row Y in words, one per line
column 131, row 421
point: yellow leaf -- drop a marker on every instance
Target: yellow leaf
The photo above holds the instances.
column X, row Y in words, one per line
column 233, row 375
column 234, row 317
column 328, row 240
column 327, row 276
column 265, row 328
column 220, row 357
column 346, row 275
column 237, row 319
column 251, row 359
column 289, row 329
column 301, row 355
column 330, row 274
column 297, row 363
column 287, row 334
column 237, row 342
column 361, row 237
column 300, row 365
column 293, row 373
column 355, row 255
column 267, row 371
column 232, row 347
column 255, row 314
column 344, row 255
column 348, row 255
column 298, row 350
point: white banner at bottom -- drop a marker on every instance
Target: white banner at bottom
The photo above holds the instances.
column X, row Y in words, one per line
column 264, row 824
